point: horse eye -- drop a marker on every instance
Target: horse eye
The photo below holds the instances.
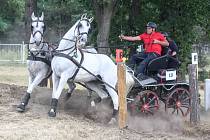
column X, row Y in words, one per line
column 32, row 27
column 79, row 25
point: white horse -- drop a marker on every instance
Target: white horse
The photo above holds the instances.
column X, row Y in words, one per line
column 37, row 63
column 71, row 64
column 39, row 59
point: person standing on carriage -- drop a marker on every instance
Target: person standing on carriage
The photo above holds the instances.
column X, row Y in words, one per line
column 172, row 45
column 153, row 42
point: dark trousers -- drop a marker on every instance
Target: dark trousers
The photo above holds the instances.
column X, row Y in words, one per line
column 142, row 58
column 136, row 59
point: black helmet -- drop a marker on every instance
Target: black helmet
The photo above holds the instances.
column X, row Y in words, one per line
column 152, row 25
column 165, row 34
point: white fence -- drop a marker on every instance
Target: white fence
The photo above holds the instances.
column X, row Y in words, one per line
column 13, row 53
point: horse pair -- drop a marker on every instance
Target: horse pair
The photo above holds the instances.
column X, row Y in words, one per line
column 71, row 64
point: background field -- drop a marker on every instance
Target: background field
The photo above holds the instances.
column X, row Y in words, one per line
column 14, row 74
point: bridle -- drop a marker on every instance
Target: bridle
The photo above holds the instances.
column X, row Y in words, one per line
column 79, row 25
column 77, row 28
column 34, row 33
column 79, row 33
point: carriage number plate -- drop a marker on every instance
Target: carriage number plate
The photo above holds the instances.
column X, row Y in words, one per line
column 170, row 75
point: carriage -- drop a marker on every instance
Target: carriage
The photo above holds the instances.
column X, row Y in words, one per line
column 161, row 83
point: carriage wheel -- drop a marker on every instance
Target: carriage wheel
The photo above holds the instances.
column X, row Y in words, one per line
column 178, row 101
column 146, row 101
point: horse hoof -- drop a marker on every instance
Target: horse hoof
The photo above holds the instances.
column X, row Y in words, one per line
column 93, row 104
column 67, row 96
column 113, row 121
column 52, row 113
column 20, row 108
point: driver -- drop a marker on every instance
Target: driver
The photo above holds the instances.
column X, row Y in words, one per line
column 153, row 42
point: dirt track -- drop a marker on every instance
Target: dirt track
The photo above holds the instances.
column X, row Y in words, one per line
column 72, row 122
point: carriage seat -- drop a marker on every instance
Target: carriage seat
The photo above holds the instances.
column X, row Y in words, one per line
column 166, row 61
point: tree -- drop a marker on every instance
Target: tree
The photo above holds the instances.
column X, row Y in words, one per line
column 104, row 11
column 10, row 12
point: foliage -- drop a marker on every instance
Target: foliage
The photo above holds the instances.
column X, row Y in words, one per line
column 3, row 25
column 10, row 11
column 187, row 21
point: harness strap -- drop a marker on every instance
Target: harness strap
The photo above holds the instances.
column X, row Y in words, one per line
column 46, row 61
column 35, row 58
column 79, row 65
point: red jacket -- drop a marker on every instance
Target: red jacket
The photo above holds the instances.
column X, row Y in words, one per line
column 148, row 42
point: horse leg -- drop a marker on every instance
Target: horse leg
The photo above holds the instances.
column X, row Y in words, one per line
column 114, row 96
column 56, row 94
column 71, row 86
column 24, row 102
column 55, row 80
column 96, row 87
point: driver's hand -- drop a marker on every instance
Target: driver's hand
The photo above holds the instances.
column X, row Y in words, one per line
column 155, row 41
column 173, row 53
column 121, row 36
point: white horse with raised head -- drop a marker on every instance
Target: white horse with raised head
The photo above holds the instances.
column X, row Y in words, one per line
column 38, row 63
column 39, row 59
column 71, row 64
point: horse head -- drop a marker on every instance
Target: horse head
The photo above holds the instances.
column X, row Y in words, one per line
column 37, row 28
column 82, row 29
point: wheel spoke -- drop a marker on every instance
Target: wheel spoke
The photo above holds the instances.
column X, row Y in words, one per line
column 150, row 111
column 185, row 106
column 153, row 106
column 182, row 111
column 152, row 100
column 171, row 106
column 174, row 110
column 146, row 98
column 186, row 99
column 142, row 100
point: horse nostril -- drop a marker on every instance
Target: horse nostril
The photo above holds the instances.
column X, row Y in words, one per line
column 37, row 42
column 83, row 39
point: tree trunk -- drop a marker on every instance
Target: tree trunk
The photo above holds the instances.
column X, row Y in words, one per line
column 30, row 7
column 134, row 12
column 104, row 12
